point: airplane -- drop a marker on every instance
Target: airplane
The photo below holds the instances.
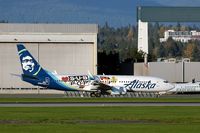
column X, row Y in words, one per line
column 186, row 88
column 127, row 83
column 97, row 85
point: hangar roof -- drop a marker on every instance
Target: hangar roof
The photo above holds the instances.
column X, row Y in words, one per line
column 168, row 14
column 48, row 28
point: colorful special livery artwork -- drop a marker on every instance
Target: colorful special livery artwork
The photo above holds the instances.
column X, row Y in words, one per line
column 79, row 80
column 97, row 85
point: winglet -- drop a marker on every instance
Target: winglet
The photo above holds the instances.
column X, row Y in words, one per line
column 91, row 77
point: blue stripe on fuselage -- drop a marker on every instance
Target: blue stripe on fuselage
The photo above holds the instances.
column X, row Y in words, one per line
column 59, row 85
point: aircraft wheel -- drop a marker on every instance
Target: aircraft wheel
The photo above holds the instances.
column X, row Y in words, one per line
column 92, row 94
column 98, row 94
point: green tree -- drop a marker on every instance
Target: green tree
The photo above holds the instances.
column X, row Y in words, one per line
column 196, row 54
column 161, row 52
column 171, row 47
column 188, row 51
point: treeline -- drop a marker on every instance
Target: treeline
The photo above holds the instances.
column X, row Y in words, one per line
column 123, row 41
column 3, row 21
column 171, row 48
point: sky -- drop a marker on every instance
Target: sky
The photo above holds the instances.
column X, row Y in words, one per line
column 116, row 13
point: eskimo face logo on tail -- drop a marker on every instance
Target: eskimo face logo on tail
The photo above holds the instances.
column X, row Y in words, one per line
column 27, row 64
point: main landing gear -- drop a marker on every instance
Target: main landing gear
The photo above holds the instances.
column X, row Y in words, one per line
column 95, row 94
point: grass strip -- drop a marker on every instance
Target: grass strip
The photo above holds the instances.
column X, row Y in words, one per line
column 38, row 100
column 100, row 119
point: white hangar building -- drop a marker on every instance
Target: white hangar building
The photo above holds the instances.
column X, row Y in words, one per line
column 64, row 48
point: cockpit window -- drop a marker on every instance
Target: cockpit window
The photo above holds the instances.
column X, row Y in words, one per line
column 165, row 81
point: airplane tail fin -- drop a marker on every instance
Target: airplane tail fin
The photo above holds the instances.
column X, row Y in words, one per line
column 29, row 65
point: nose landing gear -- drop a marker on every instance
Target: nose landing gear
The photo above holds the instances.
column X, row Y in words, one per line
column 95, row 94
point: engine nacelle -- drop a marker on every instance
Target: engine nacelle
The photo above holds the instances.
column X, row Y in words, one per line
column 118, row 91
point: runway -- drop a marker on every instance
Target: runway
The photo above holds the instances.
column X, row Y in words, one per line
column 98, row 104
column 78, row 96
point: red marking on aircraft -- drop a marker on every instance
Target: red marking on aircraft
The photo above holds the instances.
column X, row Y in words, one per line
column 65, row 79
column 104, row 78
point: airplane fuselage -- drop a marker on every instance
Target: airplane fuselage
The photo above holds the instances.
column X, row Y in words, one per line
column 96, row 84
column 130, row 83
column 186, row 88
column 136, row 83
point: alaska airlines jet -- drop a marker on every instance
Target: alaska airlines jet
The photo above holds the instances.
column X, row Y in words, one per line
column 97, row 85
column 123, row 84
column 182, row 88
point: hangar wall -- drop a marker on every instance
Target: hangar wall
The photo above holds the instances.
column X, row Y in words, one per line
column 69, row 51
column 172, row 72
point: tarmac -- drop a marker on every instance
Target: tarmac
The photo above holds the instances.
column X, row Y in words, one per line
column 78, row 95
column 89, row 104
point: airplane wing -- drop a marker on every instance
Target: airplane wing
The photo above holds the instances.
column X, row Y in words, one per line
column 105, row 89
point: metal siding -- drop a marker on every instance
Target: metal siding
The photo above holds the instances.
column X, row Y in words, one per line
column 166, row 71
column 192, row 70
column 64, row 58
column 169, row 71
column 67, row 58
column 48, row 28
column 76, row 53
column 10, row 64
column 49, row 38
